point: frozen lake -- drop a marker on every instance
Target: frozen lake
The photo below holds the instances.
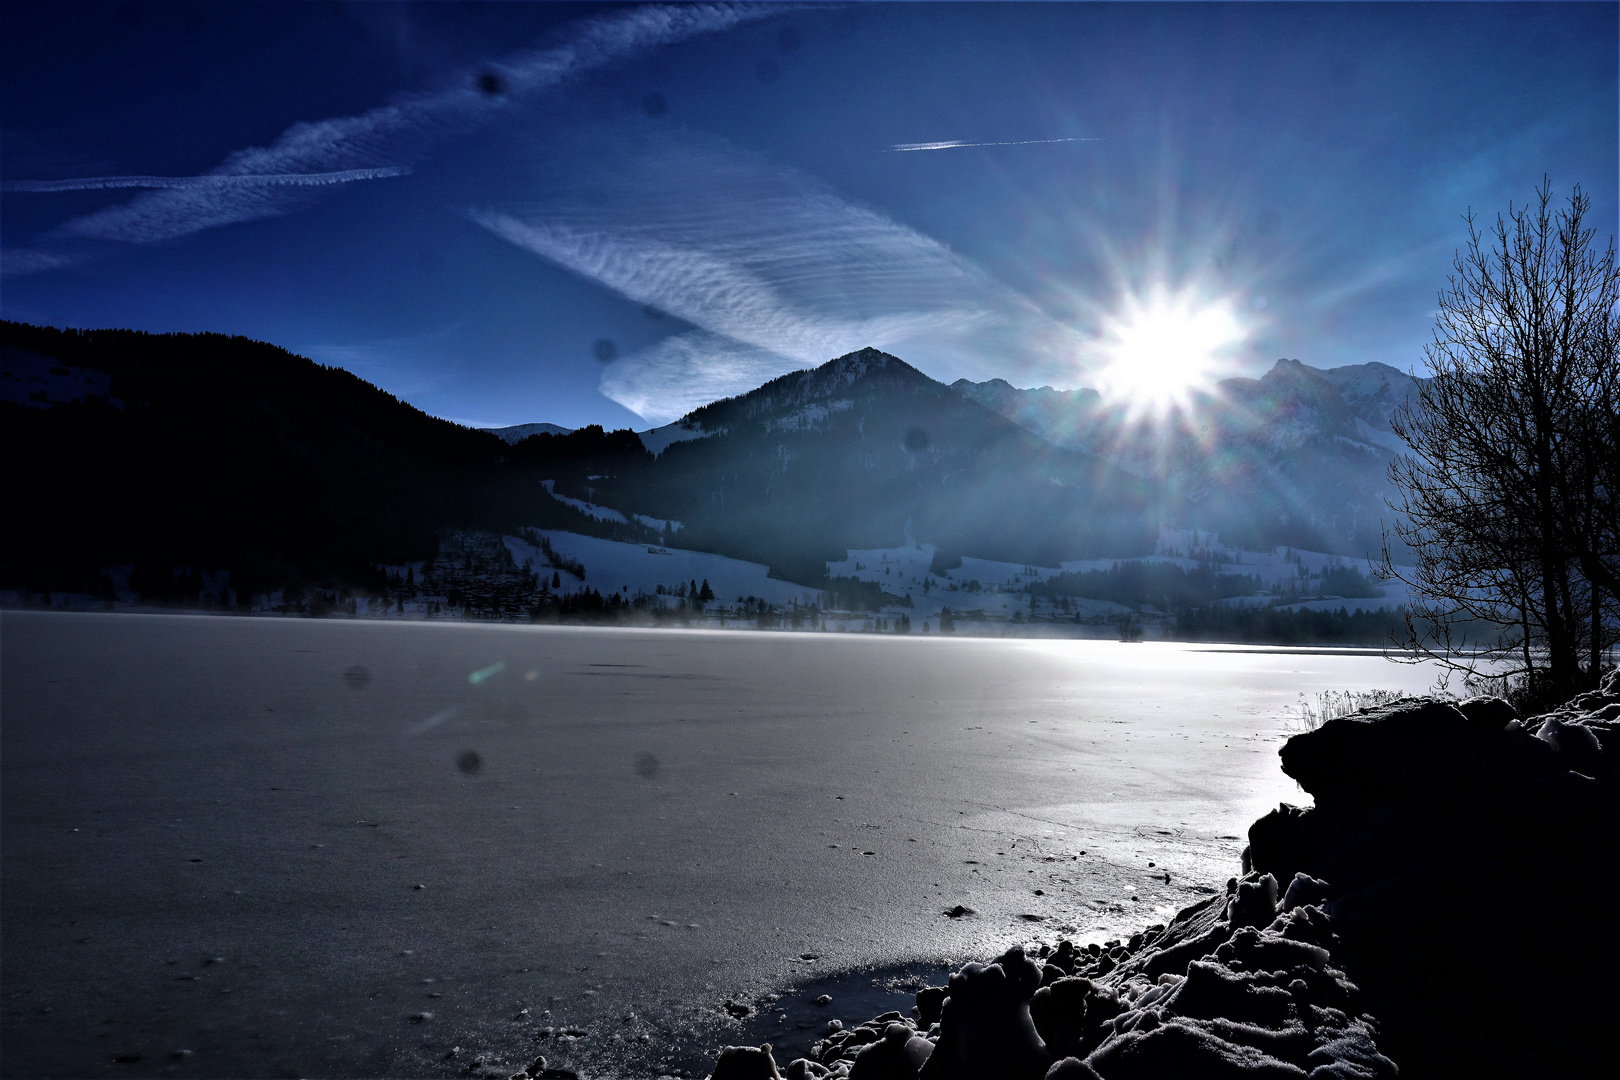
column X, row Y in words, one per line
column 273, row 842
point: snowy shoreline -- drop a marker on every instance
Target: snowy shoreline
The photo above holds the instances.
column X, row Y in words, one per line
column 1380, row 958
column 734, row 623
column 552, row 576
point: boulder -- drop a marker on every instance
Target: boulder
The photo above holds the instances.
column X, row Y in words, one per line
column 930, row 1000
column 746, row 1063
column 985, row 1030
column 1071, row 1068
column 1059, row 1011
column 1255, row 903
column 897, row 1056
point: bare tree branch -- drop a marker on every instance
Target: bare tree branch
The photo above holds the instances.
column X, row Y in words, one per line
column 1506, row 489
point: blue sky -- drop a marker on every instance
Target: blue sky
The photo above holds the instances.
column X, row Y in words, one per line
column 508, row 212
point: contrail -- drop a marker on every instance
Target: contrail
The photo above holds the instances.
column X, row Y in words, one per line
column 102, row 183
column 955, row 144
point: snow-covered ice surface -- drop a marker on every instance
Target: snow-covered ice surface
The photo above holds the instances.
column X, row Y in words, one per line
column 215, row 828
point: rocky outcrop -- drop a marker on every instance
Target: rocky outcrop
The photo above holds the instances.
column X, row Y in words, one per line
column 1444, row 907
column 1459, row 848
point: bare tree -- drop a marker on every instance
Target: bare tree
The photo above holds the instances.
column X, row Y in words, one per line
column 1506, row 491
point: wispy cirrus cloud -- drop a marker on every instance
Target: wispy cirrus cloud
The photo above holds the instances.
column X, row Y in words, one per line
column 108, row 183
column 775, row 269
column 796, row 295
column 669, row 379
column 259, row 182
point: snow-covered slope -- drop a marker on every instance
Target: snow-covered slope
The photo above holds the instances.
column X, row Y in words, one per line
column 988, row 587
column 659, row 439
column 1374, row 391
column 611, row 566
column 36, row 381
column 589, row 509
column 998, row 588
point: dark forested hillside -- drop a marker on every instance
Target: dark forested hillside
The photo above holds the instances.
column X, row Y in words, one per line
column 224, row 453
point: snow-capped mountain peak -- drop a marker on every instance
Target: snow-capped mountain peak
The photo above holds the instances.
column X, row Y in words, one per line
column 516, row 433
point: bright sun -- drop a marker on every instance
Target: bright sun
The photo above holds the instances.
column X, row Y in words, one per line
column 1160, row 349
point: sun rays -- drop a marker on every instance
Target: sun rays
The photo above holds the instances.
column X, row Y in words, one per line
column 1160, row 348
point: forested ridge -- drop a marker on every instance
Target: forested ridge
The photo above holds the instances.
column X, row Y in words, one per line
column 230, row 454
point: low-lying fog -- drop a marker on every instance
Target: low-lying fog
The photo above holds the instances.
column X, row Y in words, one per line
column 297, row 846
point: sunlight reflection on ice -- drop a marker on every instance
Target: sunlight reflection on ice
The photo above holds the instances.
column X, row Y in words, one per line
column 431, row 722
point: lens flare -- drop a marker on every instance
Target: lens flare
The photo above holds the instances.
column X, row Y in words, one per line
column 1159, row 350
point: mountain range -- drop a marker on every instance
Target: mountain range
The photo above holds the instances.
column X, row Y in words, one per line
column 224, row 453
column 866, row 450
column 1298, row 457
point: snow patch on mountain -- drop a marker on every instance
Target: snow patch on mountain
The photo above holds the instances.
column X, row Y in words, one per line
column 589, row 509
column 518, row 432
column 659, row 439
column 36, row 381
column 663, row 525
column 810, row 416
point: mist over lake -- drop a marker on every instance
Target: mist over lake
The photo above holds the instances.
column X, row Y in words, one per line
column 215, row 827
